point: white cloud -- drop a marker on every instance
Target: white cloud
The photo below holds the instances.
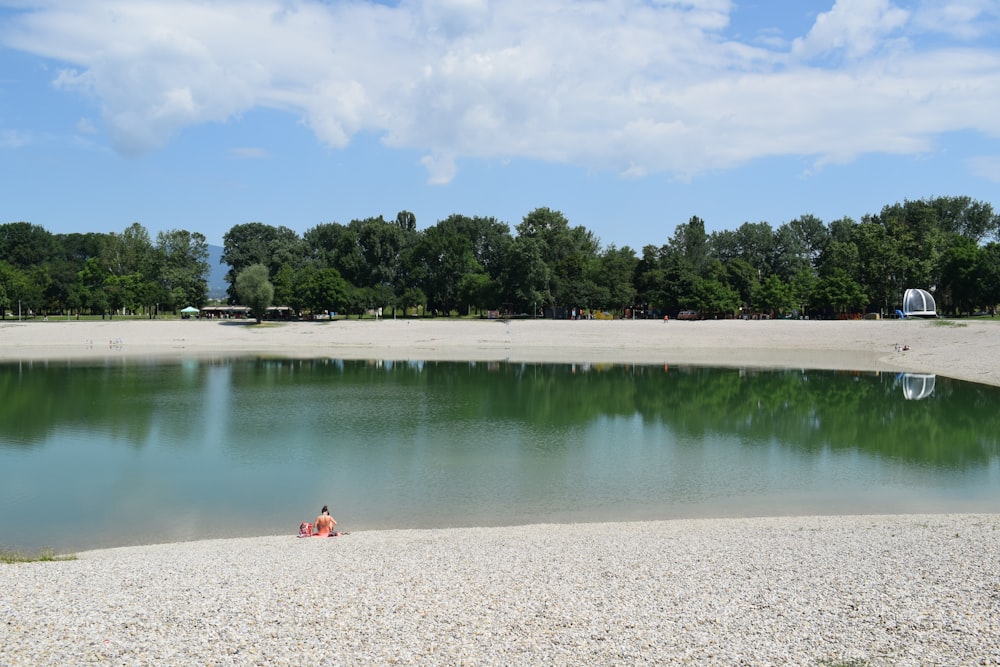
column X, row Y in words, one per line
column 631, row 86
column 962, row 19
column 852, row 27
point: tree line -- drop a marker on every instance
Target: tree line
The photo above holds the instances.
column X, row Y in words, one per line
column 544, row 266
column 101, row 274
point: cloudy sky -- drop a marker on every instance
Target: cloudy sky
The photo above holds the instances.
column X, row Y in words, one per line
column 629, row 116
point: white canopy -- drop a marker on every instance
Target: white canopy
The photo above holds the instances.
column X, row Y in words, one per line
column 918, row 303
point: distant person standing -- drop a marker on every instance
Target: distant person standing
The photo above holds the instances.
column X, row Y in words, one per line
column 325, row 523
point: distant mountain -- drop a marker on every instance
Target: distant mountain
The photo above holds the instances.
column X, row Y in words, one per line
column 217, row 284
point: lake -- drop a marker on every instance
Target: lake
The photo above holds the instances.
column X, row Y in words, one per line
column 129, row 452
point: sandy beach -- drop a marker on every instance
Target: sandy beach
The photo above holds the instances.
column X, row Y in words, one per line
column 965, row 350
column 865, row 590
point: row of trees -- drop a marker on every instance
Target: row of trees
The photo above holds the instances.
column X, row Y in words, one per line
column 101, row 274
column 467, row 264
column 947, row 245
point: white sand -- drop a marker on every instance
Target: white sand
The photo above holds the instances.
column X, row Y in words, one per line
column 962, row 350
column 907, row 590
column 917, row 590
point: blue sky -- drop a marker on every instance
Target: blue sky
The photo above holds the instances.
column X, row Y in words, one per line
column 629, row 116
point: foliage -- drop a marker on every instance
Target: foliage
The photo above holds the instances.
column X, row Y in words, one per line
column 320, row 290
column 256, row 243
column 466, row 265
column 255, row 290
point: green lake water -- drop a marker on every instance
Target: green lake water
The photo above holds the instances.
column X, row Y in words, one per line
column 129, row 452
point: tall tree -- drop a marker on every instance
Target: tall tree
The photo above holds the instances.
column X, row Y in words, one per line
column 810, row 235
column 25, row 245
column 406, row 221
column 255, row 290
column 183, row 273
column 256, row 243
column 564, row 251
column 691, row 242
column 615, row 272
column 975, row 220
column 961, row 275
column 526, row 280
column 441, row 257
column 320, row 290
column 650, row 278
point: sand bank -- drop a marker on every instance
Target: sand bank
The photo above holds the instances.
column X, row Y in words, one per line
column 913, row 590
column 962, row 350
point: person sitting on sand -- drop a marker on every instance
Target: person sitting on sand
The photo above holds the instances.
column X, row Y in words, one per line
column 325, row 523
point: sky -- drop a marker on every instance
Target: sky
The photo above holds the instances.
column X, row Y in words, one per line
column 628, row 116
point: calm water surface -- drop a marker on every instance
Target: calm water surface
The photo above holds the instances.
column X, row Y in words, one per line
column 131, row 452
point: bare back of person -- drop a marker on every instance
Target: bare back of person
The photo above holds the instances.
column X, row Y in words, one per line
column 325, row 523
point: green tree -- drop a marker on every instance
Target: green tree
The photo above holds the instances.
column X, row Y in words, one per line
column 13, row 288
column 128, row 252
column 882, row 265
column 774, row 295
column 803, row 289
column 72, row 250
column 691, row 242
column 478, row 291
column 255, row 290
column 988, row 275
column 743, row 279
column 30, row 249
column 441, row 257
column 183, row 268
column 713, row 297
column 810, row 236
column 680, row 281
column 841, row 292
column 565, row 252
column 790, row 253
column 974, row 220
column 321, row 290
column 526, row 279
column 961, row 275
column 615, row 272
column 412, row 297
column 256, row 243
column 24, row 245
column 325, row 244
column 650, row 278
column 406, row 221
column 93, row 276
column 284, row 281
column 841, row 252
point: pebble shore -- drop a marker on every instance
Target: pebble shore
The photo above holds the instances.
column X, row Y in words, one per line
column 865, row 590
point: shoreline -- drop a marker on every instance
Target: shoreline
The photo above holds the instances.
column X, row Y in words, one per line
column 862, row 590
column 963, row 350
column 903, row 589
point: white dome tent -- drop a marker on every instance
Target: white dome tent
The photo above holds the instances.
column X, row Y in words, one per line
column 918, row 303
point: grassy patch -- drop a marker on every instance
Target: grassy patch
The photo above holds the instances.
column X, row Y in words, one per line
column 42, row 556
column 941, row 322
column 854, row 662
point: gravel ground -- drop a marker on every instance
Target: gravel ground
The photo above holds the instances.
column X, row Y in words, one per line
column 899, row 590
